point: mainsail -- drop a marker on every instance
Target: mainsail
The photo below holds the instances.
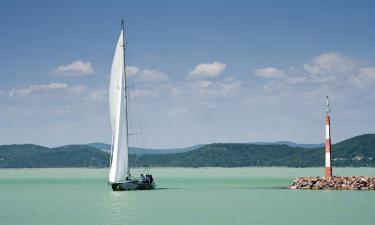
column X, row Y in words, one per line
column 118, row 113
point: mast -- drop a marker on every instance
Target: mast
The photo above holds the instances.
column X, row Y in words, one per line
column 126, row 95
column 328, row 172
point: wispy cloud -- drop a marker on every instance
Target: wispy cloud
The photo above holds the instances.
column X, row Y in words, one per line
column 152, row 75
column 143, row 93
column 365, row 78
column 229, row 88
column 269, row 72
column 177, row 111
column 207, row 70
column 43, row 88
column 324, row 68
column 37, row 88
column 98, row 96
column 212, row 89
column 74, row 69
column 146, row 75
column 77, row 89
column 201, row 84
column 296, row 80
column 331, row 62
column 176, row 91
column 331, row 73
column 132, row 71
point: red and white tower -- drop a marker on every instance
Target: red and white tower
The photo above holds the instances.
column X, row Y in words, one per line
column 328, row 142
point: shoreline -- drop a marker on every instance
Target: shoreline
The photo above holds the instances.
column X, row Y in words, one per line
column 191, row 167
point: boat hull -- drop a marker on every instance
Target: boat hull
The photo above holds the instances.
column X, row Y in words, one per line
column 129, row 186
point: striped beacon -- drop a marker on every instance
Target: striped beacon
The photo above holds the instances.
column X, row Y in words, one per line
column 328, row 142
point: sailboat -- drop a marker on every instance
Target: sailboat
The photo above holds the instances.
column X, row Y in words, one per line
column 120, row 177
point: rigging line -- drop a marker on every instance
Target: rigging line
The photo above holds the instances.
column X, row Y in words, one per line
column 139, row 124
column 125, row 92
column 141, row 137
column 131, row 124
column 132, row 117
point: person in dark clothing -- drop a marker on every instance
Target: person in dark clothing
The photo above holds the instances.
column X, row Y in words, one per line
column 151, row 178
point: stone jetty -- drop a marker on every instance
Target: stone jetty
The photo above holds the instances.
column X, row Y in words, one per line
column 334, row 183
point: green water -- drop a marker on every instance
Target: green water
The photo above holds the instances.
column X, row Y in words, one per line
column 251, row 196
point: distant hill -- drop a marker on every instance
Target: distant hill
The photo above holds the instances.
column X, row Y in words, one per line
column 101, row 146
column 147, row 151
column 358, row 151
column 144, row 151
column 290, row 144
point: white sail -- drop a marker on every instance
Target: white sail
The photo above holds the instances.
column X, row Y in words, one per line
column 117, row 107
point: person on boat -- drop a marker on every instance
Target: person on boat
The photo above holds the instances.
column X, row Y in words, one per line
column 148, row 179
column 151, row 179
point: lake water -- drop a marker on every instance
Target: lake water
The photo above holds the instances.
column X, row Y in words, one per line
column 185, row 196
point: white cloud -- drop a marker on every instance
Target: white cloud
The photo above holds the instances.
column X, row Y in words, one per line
column 211, row 89
column 229, row 88
column 74, row 69
column 174, row 111
column 37, row 88
column 146, row 75
column 269, row 72
column 229, row 79
column 143, row 93
column 322, row 78
column 176, row 91
column 205, row 70
column 268, row 87
column 132, row 71
column 365, row 78
column 297, row 80
column 202, row 84
column 331, row 62
column 98, row 95
column 78, row 89
column 325, row 68
column 152, row 75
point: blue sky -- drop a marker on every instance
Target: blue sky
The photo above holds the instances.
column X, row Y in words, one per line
column 203, row 71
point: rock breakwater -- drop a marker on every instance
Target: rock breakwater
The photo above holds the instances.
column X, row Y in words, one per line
column 334, row 183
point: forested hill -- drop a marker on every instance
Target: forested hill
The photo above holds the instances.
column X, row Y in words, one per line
column 35, row 156
column 357, row 151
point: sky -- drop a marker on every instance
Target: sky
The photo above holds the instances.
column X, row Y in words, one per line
column 201, row 71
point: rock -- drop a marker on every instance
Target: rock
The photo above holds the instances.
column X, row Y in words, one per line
column 334, row 183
